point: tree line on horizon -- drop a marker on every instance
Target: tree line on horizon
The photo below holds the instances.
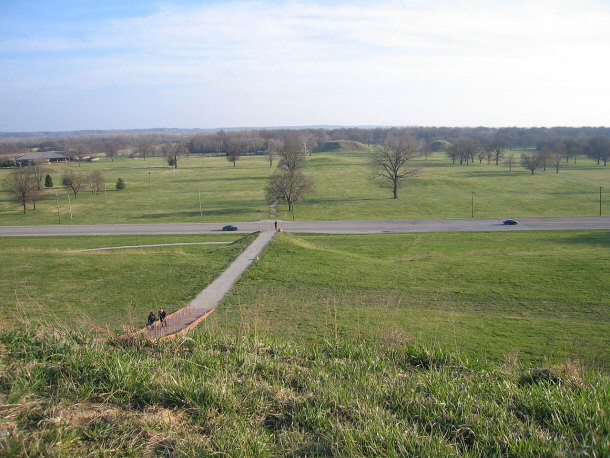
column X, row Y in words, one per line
column 252, row 140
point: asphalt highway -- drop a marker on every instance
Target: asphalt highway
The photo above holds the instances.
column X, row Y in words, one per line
column 324, row 227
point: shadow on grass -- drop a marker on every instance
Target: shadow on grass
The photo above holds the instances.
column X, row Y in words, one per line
column 204, row 180
column 492, row 174
column 195, row 214
column 168, row 215
column 596, row 238
column 434, row 164
column 346, row 200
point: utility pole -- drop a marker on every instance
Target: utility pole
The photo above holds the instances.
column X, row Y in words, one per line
column 600, row 200
column 57, row 205
column 472, row 206
column 69, row 205
column 200, row 210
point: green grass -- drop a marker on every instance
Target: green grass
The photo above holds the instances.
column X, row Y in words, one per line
column 368, row 345
column 63, row 395
column 111, row 289
column 534, row 295
column 342, row 191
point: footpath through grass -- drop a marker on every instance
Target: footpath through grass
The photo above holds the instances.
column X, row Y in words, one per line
column 535, row 296
column 44, row 280
column 63, row 395
column 158, row 193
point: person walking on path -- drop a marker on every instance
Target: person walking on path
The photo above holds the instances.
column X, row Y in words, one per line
column 162, row 316
column 151, row 319
column 275, row 224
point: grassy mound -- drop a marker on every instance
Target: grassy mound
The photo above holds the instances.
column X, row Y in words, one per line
column 341, row 145
column 63, row 395
column 440, row 145
column 541, row 295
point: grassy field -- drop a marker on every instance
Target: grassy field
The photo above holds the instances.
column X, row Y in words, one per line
column 531, row 295
column 63, row 395
column 534, row 296
column 43, row 280
column 342, row 191
column 360, row 345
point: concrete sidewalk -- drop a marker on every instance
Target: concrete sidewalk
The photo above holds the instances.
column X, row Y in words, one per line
column 208, row 299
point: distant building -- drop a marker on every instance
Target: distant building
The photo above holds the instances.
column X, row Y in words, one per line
column 43, row 156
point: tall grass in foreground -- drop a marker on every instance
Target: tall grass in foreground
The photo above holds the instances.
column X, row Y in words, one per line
column 63, row 395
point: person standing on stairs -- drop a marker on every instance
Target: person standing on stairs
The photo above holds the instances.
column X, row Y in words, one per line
column 151, row 319
column 162, row 316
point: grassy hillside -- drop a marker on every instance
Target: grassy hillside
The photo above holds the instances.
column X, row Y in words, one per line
column 533, row 295
column 342, row 191
column 342, row 145
column 44, row 279
column 63, row 395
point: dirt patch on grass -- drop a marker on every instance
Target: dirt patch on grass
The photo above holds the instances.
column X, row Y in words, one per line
column 85, row 414
column 118, row 430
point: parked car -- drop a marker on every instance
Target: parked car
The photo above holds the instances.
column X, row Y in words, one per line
column 229, row 227
column 510, row 222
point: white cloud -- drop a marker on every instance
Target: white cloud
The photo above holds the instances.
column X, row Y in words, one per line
column 386, row 62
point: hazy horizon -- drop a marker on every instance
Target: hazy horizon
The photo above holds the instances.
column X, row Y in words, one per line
column 70, row 65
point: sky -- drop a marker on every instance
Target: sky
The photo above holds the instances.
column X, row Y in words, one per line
column 91, row 64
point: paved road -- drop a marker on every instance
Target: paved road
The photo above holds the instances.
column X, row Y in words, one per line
column 325, row 227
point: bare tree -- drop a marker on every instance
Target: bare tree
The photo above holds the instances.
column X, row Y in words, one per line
column 96, row 181
column 530, row 161
column 274, row 147
column 389, row 164
column 38, row 171
column 545, row 155
column 573, row 147
column 174, row 151
column 36, row 196
column 425, row 148
column 452, row 153
column 464, row 150
column 559, row 152
column 234, row 150
column 144, row 148
column 481, row 154
column 598, row 149
column 308, row 141
column 111, row 148
column 21, row 186
column 73, row 181
column 292, row 158
column 497, row 146
column 287, row 187
column 489, row 150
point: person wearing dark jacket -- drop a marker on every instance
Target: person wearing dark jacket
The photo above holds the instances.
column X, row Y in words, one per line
column 162, row 316
column 151, row 319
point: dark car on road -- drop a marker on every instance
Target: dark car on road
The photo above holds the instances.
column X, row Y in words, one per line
column 510, row 222
column 229, row 227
